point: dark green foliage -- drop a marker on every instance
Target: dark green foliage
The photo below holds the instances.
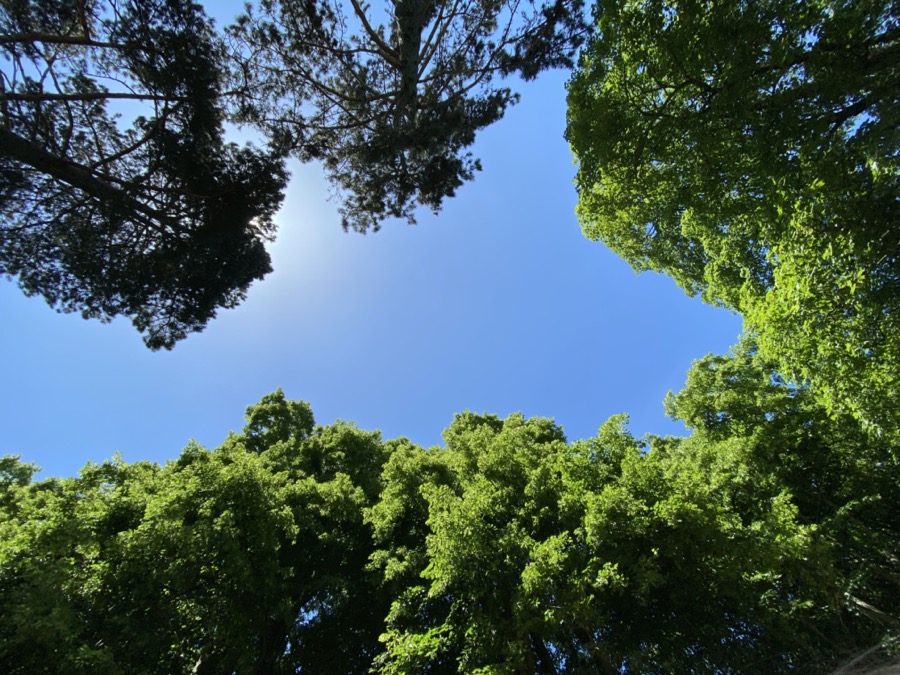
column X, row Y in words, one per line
column 163, row 222
column 749, row 150
column 391, row 107
column 765, row 542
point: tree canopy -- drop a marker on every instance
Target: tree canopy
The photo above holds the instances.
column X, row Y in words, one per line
column 162, row 221
column 165, row 222
column 749, row 150
column 764, row 542
column 390, row 96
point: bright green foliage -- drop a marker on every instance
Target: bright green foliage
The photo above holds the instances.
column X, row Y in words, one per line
column 706, row 554
column 749, row 150
column 243, row 559
column 839, row 478
column 763, row 543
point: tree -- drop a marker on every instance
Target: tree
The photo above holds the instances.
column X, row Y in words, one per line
column 163, row 222
column 839, row 478
column 749, row 150
column 602, row 557
column 245, row 559
column 391, row 107
column 763, row 543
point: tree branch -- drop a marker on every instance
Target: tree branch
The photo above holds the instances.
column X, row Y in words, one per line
column 874, row 613
column 49, row 38
column 389, row 54
column 92, row 96
column 431, row 45
column 545, row 660
column 21, row 150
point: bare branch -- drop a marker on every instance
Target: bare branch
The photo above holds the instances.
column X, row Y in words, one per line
column 430, row 48
column 874, row 613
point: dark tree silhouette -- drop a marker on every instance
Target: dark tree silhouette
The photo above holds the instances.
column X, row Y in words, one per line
column 162, row 221
column 391, row 107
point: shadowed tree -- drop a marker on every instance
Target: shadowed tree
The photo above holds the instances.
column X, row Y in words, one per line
column 161, row 221
column 391, row 95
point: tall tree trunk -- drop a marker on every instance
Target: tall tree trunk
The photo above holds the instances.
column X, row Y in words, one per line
column 411, row 17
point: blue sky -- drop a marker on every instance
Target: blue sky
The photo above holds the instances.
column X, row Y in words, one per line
column 496, row 304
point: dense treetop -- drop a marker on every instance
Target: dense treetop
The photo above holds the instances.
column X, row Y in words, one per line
column 764, row 542
column 749, row 150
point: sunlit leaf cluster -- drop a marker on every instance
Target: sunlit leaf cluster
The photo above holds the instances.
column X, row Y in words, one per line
column 749, row 150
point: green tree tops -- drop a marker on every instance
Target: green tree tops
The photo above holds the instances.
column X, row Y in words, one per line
column 765, row 542
column 749, row 150
column 247, row 559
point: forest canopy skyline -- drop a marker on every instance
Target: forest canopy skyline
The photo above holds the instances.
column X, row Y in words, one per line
column 748, row 153
column 760, row 543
